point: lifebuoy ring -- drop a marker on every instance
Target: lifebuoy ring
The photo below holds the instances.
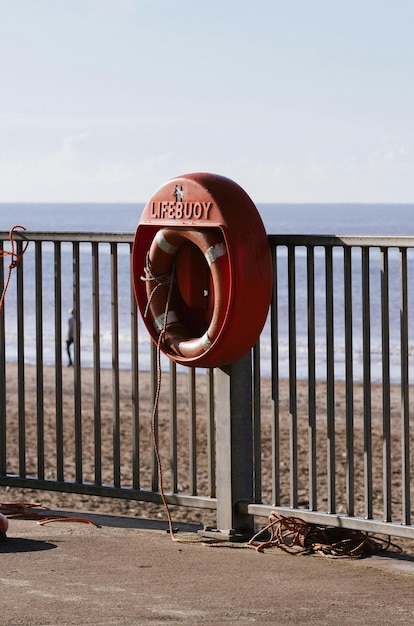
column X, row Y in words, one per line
column 162, row 294
column 201, row 234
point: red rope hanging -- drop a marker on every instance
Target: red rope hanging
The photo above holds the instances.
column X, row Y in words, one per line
column 15, row 260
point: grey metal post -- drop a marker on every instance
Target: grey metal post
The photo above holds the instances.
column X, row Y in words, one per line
column 234, row 446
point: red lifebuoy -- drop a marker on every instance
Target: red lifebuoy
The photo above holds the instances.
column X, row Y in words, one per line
column 203, row 253
column 166, row 244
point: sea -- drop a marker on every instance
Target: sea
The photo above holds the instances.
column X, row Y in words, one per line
column 314, row 219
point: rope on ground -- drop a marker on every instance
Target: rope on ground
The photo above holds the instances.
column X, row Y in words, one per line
column 295, row 536
column 15, row 260
column 24, row 510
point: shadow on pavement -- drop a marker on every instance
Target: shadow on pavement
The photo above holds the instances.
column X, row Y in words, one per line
column 15, row 544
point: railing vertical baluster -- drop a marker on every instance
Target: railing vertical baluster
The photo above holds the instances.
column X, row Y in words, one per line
column 274, row 330
column 97, row 418
column 330, row 381
column 77, row 363
column 366, row 347
column 39, row 362
column 349, row 383
column 405, row 404
column 134, row 384
column 20, row 365
column 115, row 366
column 257, row 426
column 386, row 390
column 155, row 373
column 3, row 421
column 310, row 268
column 292, row 379
column 192, row 435
column 173, row 427
column 211, row 431
column 58, row 361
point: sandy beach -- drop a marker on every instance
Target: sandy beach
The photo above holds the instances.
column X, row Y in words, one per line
column 125, row 430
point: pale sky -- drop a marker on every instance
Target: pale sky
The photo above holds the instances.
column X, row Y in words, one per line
column 296, row 100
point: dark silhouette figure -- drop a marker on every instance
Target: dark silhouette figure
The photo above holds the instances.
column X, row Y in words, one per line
column 69, row 340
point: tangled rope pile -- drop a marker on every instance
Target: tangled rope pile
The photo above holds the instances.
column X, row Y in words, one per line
column 295, row 536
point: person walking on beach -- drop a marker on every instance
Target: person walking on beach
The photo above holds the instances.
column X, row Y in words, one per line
column 69, row 340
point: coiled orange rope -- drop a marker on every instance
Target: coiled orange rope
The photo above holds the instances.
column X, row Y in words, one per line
column 15, row 260
column 295, row 536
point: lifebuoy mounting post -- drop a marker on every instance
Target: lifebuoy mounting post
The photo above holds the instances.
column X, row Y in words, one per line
column 202, row 270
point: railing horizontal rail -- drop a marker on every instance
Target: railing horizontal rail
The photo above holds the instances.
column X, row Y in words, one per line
column 364, row 241
column 338, row 521
column 124, row 493
column 67, row 236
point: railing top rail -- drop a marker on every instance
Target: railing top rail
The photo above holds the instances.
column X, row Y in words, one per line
column 69, row 236
column 379, row 241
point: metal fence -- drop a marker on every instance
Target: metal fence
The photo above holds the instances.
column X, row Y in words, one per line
column 314, row 422
column 341, row 446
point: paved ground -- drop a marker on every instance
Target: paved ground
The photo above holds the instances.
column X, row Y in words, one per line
column 129, row 571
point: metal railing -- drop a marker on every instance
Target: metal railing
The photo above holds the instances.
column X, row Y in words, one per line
column 318, row 443
column 342, row 449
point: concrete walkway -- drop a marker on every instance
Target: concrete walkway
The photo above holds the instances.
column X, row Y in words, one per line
column 129, row 571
